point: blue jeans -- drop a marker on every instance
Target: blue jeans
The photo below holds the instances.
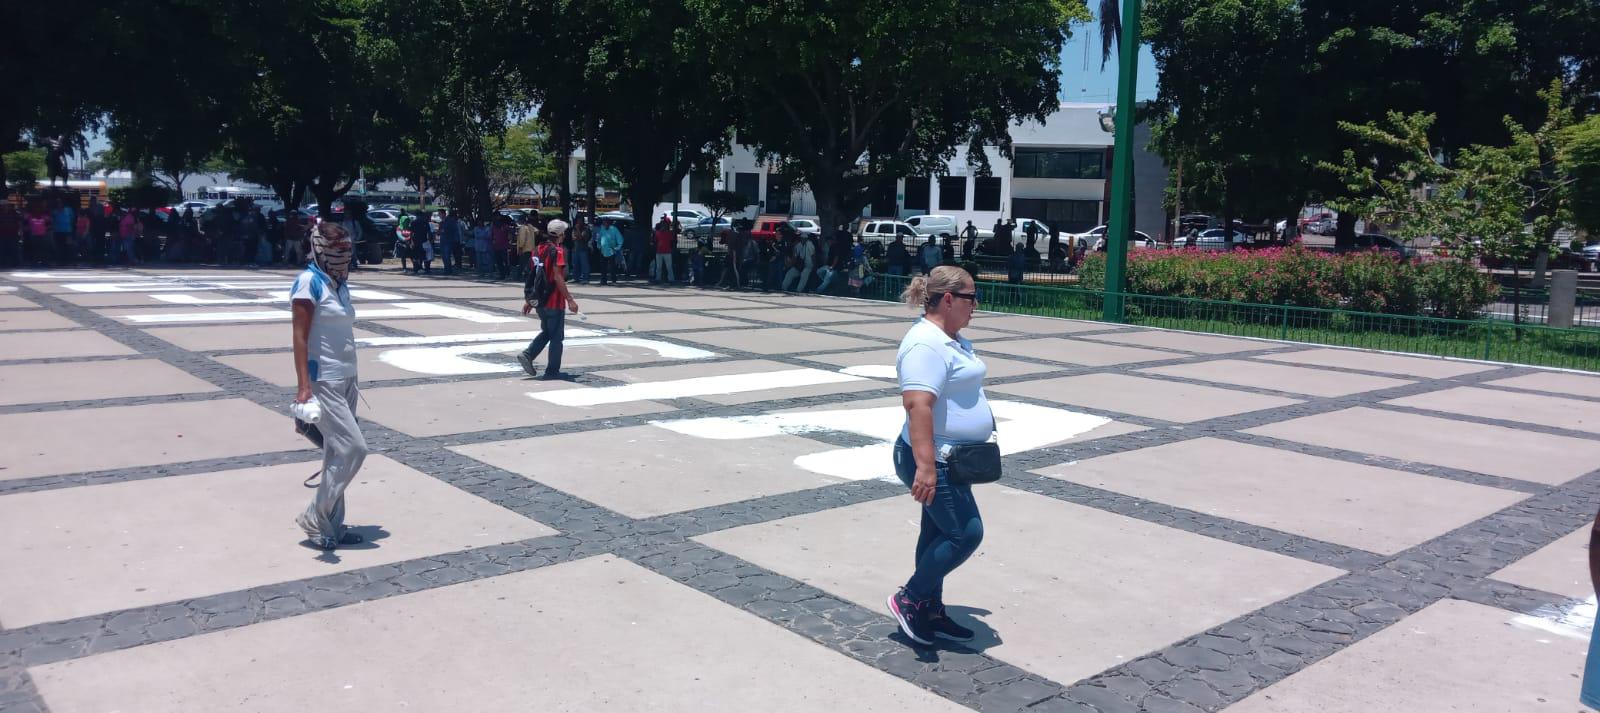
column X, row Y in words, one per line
column 580, row 265
column 951, row 530
column 552, row 332
column 447, row 251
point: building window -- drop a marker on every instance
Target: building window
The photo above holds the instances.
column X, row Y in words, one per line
column 701, row 183
column 953, row 193
column 917, row 189
column 986, row 193
column 780, row 189
column 1059, row 163
column 748, row 186
column 1061, row 215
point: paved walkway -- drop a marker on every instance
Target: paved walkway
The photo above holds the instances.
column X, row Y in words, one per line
column 705, row 519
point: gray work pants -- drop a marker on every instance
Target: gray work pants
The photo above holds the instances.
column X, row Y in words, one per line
column 343, row 450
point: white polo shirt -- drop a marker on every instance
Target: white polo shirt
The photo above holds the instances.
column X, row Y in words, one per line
column 931, row 361
column 331, row 347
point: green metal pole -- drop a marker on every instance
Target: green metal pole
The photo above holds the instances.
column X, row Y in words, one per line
column 1119, row 230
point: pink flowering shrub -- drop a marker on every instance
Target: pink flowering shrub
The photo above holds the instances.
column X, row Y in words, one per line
column 1369, row 281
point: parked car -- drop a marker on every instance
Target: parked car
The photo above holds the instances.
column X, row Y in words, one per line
column 1096, row 236
column 934, row 225
column 1216, row 239
column 706, row 229
column 1374, row 241
column 767, row 228
column 689, row 217
column 886, row 230
column 805, row 226
column 1591, row 255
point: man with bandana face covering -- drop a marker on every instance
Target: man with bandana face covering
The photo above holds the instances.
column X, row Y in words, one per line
column 325, row 371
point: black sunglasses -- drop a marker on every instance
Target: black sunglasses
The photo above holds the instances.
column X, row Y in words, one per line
column 975, row 296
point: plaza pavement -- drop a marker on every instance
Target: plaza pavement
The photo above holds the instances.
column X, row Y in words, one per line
column 705, row 520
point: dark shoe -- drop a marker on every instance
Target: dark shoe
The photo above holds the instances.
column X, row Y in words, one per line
column 942, row 626
column 527, row 364
column 912, row 617
column 328, row 543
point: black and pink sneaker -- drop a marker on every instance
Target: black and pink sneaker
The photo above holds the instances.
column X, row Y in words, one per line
column 912, row 616
column 942, row 626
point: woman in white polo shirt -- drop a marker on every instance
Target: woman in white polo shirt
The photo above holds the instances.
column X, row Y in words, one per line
column 941, row 385
column 325, row 372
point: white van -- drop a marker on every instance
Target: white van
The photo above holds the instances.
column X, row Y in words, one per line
column 934, row 225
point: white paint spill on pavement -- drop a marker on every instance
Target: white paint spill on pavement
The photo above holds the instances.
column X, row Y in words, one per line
column 455, row 360
column 872, row 371
column 275, row 297
column 1575, row 622
column 396, row 310
column 1023, row 427
column 697, row 386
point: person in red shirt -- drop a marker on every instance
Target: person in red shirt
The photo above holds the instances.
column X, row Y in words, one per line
column 552, row 306
column 665, row 241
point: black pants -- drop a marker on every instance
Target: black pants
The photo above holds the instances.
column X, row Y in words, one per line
column 552, row 331
column 608, row 266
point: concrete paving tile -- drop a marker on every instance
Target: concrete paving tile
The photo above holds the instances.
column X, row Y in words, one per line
column 13, row 301
column 589, row 306
column 797, row 316
column 628, row 292
column 1185, row 341
column 892, row 310
column 215, row 314
column 131, row 299
column 776, row 340
column 278, row 368
column 460, row 407
column 1451, row 656
column 645, row 471
column 696, row 303
column 1037, row 325
column 896, row 330
column 1075, row 351
column 20, row 320
column 1165, row 400
column 1279, row 377
column 44, row 383
column 884, row 361
column 1539, row 409
column 1048, row 572
column 59, row 345
column 444, row 327
column 783, row 299
column 659, row 321
column 277, row 335
column 596, row 634
column 470, row 292
column 1493, row 450
column 1424, row 367
column 1360, row 506
column 1555, row 383
column 52, row 442
column 114, row 546
column 1561, row 567
column 787, row 381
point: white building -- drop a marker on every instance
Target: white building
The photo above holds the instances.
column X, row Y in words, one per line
column 1060, row 174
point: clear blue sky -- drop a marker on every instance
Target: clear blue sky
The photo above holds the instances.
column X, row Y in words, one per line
column 1081, row 78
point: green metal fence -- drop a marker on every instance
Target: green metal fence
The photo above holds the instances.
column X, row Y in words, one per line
column 1489, row 339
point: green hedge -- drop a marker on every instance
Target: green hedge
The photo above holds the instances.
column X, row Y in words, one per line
column 1372, row 282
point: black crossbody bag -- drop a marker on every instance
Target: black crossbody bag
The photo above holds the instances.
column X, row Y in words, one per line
column 975, row 463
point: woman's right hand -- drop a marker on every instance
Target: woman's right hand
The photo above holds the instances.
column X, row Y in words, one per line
column 302, row 394
column 924, row 485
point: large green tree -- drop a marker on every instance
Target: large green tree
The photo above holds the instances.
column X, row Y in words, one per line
column 631, row 81
column 852, row 95
column 1320, row 63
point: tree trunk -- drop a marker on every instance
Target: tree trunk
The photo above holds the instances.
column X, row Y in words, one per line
column 1345, row 233
column 590, row 159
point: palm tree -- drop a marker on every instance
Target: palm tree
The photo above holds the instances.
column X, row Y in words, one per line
column 1110, row 28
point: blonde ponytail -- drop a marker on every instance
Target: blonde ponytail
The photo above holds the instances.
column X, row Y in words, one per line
column 916, row 293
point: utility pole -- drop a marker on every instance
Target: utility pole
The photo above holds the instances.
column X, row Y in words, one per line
column 1119, row 229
